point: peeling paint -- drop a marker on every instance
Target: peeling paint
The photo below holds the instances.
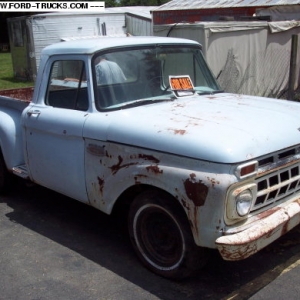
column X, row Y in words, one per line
column 184, row 204
column 154, row 169
column 180, row 131
column 191, row 210
column 268, row 212
column 270, row 226
column 196, row 190
column 213, row 181
column 101, row 184
column 119, row 166
column 147, row 157
column 95, row 150
column 241, row 253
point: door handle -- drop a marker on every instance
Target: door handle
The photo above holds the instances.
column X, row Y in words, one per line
column 33, row 112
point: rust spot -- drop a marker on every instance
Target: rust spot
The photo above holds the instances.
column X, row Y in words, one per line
column 238, row 253
column 213, row 181
column 115, row 168
column 95, row 149
column 107, row 155
column 119, row 166
column 154, row 169
column 193, row 176
column 179, row 131
column 211, row 97
column 179, row 105
column 268, row 212
column 196, row 190
column 185, row 204
column 137, row 177
column 23, row 94
column 191, row 210
column 219, row 227
column 101, row 184
column 147, row 157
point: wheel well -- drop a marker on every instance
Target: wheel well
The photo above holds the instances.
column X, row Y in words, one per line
column 122, row 205
column 124, row 200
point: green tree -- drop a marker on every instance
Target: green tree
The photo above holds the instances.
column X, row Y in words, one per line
column 111, row 3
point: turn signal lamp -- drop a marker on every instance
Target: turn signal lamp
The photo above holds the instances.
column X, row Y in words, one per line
column 247, row 170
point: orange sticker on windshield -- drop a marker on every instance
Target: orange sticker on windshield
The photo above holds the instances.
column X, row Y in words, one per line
column 181, row 83
column 182, row 86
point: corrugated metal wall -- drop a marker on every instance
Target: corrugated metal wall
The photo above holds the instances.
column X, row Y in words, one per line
column 54, row 28
column 136, row 25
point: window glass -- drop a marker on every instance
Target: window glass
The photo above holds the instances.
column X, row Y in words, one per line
column 114, row 68
column 67, row 87
column 128, row 76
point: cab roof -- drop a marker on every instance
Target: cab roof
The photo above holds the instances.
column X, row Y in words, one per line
column 92, row 45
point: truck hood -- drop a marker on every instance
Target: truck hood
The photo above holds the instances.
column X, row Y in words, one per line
column 223, row 128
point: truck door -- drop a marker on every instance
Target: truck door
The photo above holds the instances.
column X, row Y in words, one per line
column 53, row 129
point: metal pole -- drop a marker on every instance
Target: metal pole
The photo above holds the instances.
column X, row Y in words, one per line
column 293, row 62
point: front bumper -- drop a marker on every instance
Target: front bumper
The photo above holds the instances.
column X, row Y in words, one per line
column 273, row 224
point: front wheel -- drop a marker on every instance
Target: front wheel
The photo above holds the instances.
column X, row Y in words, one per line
column 161, row 236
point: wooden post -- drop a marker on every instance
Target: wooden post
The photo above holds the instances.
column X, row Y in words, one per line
column 293, row 62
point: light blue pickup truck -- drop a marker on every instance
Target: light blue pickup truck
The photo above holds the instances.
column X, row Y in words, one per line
column 142, row 122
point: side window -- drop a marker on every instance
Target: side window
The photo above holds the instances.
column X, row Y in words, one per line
column 67, row 86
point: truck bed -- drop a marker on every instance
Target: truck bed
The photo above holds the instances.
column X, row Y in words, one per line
column 16, row 98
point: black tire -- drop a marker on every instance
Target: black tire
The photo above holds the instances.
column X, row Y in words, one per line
column 162, row 238
column 5, row 176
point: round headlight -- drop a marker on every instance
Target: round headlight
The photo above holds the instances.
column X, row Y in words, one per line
column 243, row 202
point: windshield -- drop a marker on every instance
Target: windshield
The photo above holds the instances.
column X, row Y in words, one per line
column 129, row 77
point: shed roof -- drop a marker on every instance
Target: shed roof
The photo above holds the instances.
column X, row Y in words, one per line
column 211, row 4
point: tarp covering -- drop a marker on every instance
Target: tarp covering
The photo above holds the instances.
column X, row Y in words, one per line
column 246, row 57
column 281, row 13
column 283, row 25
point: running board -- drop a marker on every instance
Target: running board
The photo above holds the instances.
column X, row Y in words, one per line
column 21, row 171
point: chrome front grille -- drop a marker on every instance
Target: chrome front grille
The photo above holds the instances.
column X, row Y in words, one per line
column 278, row 177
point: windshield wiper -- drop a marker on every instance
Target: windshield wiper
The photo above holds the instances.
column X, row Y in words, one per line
column 210, row 92
column 143, row 102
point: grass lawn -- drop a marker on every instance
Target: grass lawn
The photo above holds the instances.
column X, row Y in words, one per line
column 7, row 80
